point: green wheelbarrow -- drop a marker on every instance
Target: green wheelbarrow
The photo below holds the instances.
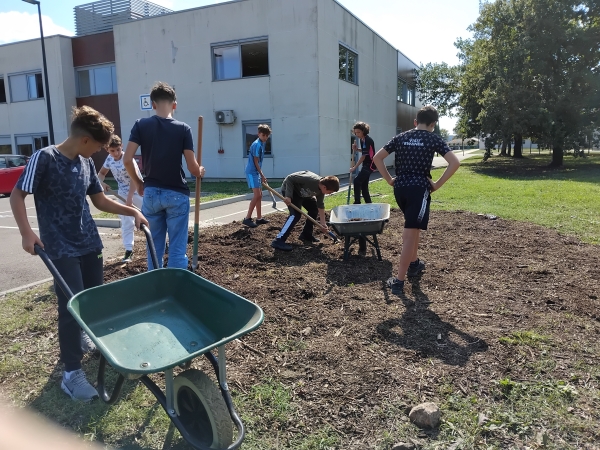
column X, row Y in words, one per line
column 159, row 320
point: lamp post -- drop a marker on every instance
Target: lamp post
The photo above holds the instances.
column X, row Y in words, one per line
column 47, row 90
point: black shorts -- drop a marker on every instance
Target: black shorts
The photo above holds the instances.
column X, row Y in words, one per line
column 414, row 202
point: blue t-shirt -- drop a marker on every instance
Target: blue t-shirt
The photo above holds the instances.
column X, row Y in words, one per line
column 257, row 149
column 415, row 150
column 59, row 187
column 162, row 142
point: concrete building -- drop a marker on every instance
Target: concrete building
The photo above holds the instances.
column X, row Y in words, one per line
column 309, row 68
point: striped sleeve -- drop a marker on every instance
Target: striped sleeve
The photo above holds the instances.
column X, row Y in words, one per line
column 33, row 173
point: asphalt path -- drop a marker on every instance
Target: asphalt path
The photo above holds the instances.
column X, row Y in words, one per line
column 19, row 268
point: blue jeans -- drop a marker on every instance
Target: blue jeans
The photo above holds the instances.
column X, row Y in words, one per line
column 167, row 211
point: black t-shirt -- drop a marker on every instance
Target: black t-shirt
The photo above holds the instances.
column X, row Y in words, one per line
column 368, row 150
column 59, row 186
column 415, row 150
column 162, row 142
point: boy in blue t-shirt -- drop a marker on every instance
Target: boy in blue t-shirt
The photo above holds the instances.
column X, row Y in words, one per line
column 60, row 177
column 163, row 141
column 415, row 150
column 255, row 177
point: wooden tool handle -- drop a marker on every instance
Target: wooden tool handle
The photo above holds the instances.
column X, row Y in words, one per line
column 291, row 205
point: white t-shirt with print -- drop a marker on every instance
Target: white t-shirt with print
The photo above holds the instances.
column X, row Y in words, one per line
column 120, row 173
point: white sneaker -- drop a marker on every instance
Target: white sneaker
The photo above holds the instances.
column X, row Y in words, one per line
column 77, row 386
column 87, row 345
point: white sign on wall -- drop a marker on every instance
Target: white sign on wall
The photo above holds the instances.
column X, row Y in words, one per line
column 145, row 103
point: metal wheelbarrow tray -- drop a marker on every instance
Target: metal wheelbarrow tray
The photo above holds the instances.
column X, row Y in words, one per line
column 360, row 221
column 161, row 319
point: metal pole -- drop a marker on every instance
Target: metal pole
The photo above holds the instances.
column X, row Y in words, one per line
column 49, row 107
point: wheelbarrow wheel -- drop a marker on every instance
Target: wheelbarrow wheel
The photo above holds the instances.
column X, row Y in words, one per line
column 202, row 410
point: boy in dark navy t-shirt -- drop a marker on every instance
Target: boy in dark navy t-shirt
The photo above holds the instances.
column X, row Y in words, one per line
column 163, row 141
column 60, row 177
column 414, row 151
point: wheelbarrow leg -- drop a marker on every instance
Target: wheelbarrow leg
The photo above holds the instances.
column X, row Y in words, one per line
column 346, row 247
column 170, row 393
column 101, row 386
column 377, row 247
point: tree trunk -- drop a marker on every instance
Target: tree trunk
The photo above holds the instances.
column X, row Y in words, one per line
column 503, row 150
column 508, row 147
column 557, row 155
column 518, row 146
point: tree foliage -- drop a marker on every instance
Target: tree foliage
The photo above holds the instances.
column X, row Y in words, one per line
column 531, row 68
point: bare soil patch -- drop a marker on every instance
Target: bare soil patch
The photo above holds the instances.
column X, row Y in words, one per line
column 354, row 357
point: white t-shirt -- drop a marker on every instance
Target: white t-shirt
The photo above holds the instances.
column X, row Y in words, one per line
column 120, row 173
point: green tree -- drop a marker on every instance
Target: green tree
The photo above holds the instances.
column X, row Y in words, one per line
column 444, row 134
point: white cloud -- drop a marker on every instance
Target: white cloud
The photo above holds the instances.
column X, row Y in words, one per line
column 20, row 26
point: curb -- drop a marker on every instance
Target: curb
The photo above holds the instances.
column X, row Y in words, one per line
column 26, row 286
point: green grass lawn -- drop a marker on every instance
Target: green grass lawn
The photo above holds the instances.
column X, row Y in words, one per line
column 564, row 199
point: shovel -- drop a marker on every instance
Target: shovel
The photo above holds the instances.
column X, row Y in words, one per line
column 291, row 205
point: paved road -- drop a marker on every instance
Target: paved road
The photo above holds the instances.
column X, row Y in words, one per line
column 18, row 268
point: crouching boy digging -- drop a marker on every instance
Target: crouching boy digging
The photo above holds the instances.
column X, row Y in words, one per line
column 304, row 190
column 60, row 177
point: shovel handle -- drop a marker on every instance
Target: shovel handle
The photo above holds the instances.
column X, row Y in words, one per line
column 291, row 205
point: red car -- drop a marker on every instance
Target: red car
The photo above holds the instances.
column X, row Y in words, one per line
column 11, row 167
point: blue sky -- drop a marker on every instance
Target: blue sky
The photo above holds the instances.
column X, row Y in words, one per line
column 423, row 31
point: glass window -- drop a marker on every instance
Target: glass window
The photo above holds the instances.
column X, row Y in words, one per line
column 2, row 91
column 251, row 134
column 84, row 83
column 227, row 63
column 40, row 142
column 103, row 81
column 16, row 161
column 97, row 81
column 255, row 59
column 35, row 86
column 241, row 60
column 5, row 145
column 348, row 65
column 2, row 162
column 24, row 145
column 18, row 88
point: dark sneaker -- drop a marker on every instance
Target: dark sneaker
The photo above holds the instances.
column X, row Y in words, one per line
column 87, row 345
column 396, row 286
column 281, row 245
column 128, row 256
column 78, row 387
column 415, row 268
column 249, row 223
column 312, row 239
column 262, row 221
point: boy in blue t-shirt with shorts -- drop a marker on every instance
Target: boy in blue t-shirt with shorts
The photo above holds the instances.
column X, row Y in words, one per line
column 60, row 177
column 255, row 177
column 414, row 151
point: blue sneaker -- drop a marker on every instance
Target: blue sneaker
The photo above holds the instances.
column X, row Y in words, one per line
column 415, row 268
column 396, row 286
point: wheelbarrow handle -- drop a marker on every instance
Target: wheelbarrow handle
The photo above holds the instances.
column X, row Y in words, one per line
column 151, row 247
column 60, row 281
column 291, row 205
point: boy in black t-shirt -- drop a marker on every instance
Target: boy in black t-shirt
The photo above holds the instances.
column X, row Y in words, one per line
column 60, row 177
column 163, row 141
column 367, row 147
column 414, row 151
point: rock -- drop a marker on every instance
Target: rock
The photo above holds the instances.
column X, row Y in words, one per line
column 403, row 446
column 306, row 331
column 425, row 415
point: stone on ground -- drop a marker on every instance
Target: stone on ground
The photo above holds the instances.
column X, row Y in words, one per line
column 425, row 415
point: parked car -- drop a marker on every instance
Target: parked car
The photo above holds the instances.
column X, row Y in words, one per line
column 11, row 167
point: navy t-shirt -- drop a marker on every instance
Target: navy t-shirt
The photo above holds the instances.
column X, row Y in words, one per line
column 415, row 150
column 59, row 186
column 162, row 142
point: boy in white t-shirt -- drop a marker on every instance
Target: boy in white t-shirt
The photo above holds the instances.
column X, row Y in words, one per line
column 114, row 163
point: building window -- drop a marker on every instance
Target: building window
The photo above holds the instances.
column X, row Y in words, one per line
column 250, row 130
column 99, row 80
column 240, row 59
column 5, row 145
column 2, row 91
column 348, row 65
column 27, row 86
column 28, row 144
column 406, row 93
